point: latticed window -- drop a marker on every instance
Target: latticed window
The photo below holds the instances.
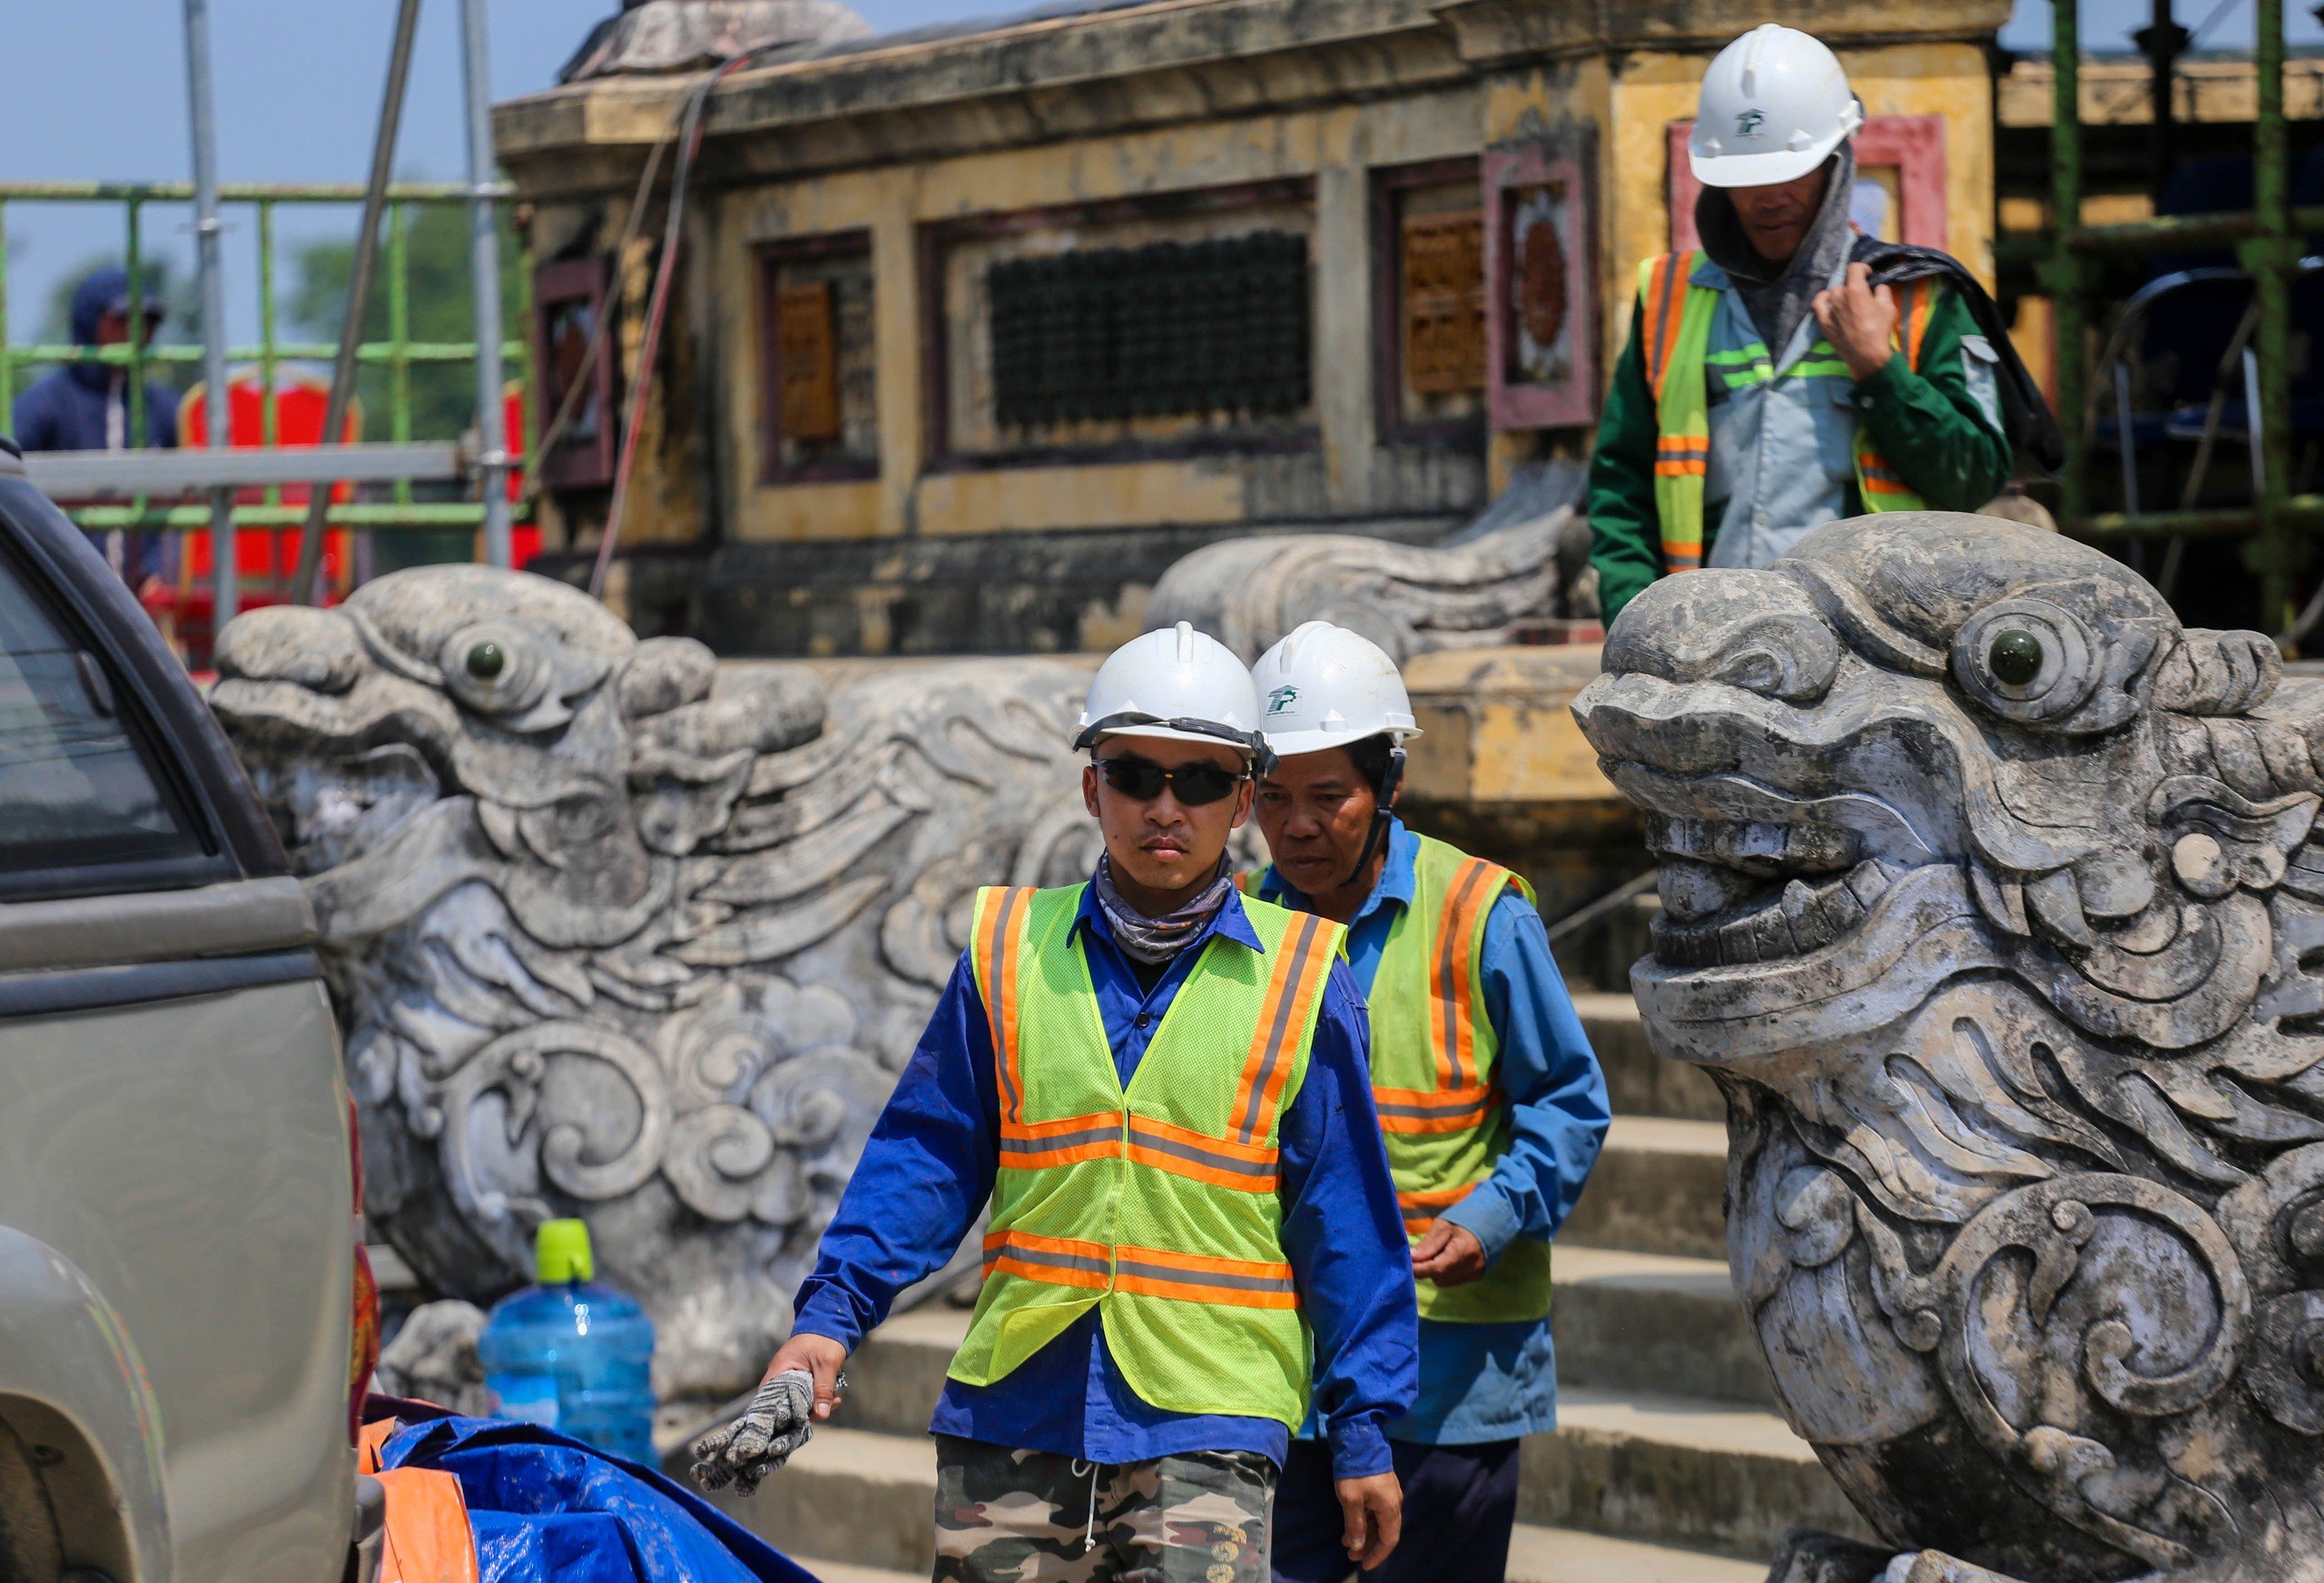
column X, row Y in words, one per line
column 1445, row 302
column 1168, row 330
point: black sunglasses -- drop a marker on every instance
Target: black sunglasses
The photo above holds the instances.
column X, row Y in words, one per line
column 1195, row 784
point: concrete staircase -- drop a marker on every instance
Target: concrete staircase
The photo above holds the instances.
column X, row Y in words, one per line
column 1669, row 1463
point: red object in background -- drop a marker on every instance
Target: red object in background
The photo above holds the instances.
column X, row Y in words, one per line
column 524, row 537
column 266, row 558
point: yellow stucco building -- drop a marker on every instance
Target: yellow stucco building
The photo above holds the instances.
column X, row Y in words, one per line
column 973, row 333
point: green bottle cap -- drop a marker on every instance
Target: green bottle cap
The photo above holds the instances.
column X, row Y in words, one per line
column 561, row 1252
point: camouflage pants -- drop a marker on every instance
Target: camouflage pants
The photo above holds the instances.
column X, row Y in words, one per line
column 1005, row 1516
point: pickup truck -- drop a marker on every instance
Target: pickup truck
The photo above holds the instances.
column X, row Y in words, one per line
column 181, row 1269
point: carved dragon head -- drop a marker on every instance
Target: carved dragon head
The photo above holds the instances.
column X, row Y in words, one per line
column 1988, row 894
column 620, row 932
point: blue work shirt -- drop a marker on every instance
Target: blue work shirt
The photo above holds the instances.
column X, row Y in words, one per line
column 928, row 1169
column 1481, row 1382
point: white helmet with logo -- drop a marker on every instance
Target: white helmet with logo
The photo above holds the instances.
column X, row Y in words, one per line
column 1774, row 106
column 1325, row 686
column 1177, row 685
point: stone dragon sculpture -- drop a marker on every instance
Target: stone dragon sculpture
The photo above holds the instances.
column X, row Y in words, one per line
column 1993, row 901
column 618, row 932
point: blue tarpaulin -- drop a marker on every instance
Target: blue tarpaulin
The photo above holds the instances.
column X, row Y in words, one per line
column 547, row 1509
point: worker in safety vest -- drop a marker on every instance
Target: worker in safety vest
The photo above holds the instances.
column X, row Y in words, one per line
column 1768, row 387
column 1160, row 1086
column 1490, row 1101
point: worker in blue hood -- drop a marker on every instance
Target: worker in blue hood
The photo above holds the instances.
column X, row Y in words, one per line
column 84, row 406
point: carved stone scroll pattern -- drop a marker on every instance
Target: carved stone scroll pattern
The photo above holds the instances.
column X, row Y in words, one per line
column 1988, row 897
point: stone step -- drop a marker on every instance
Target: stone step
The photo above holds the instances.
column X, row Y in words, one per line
column 1702, row 1475
column 1707, row 1475
column 1548, row 1555
column 1657, row 1188
column 1640, row 1082
column 1648, row 1321
column 1725, row 1481
column 1536, row 1555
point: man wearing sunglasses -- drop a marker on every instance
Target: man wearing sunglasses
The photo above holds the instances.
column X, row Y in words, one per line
column 1491, row 1102
column 1160, row 1086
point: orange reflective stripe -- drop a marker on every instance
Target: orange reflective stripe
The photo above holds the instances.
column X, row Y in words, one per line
column 1420, row 1208
column 1424, row 1110
column 1454, row 1031
column 1675, row 559
column 1880, row 477
column 428, row 1539
column 1918, row 306
column 1192, row 1278
column 1052, row 1261
column 1679, row 454
column 1300, row 964
column 1220, row 1161
column 1000, row 932
column 1659, row 338
column 1030, row 1145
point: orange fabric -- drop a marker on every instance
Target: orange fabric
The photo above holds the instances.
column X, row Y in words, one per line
column 368, row 1442
column 1420, row 1208
column 997, row 945
column 428, row 1539
column 1477, row 885
column 1658, row 336
column 1298, row 971
column 1443, row 1110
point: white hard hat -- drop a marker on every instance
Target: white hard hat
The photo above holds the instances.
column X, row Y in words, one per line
column 1178, row 684
column 1775, row 105
column 1325, row 686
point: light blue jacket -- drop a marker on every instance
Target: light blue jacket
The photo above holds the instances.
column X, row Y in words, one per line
column 1481, row 1382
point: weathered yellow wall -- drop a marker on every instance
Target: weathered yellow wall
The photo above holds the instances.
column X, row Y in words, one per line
column 1337, row 147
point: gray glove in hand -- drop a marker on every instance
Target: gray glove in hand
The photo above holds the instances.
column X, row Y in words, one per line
column 776, row 1423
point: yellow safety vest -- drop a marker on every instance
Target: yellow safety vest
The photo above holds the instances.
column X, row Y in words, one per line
column 1158, row 1206
column 1435, row 1054
column 1674, row 341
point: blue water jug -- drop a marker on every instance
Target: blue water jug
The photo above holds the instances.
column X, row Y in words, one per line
column 573, row 1355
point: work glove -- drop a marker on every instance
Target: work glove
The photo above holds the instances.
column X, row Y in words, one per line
column 777, row 1422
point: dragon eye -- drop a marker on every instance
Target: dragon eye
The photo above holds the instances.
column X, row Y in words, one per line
column 2015, row 657
column 487, row 659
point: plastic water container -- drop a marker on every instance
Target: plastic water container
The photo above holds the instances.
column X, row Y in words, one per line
column 570, row 1355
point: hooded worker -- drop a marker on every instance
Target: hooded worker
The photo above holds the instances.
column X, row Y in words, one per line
column 84, row 406
column 1768, row 386
column 1490, row 1099
column 1159, row 1085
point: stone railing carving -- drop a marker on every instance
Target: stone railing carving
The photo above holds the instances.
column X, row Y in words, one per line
column 615, row 931
column 1992, row 900
column 1524, row 563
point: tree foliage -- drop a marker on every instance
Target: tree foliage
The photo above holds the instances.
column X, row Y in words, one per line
column 443, row 396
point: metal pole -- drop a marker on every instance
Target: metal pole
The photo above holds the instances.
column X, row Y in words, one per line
column 359, row 296
column 219, row 400
column 2270, row 256
column 484, row 263
column 2065, row 267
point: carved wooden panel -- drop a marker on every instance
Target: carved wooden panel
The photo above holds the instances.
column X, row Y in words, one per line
column 1445, row 302
column 807, row 360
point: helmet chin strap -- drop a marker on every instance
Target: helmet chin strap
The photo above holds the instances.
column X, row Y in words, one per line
column 1391, row 783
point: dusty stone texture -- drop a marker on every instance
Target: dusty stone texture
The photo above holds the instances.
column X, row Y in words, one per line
column 1409, row 599
column 618, row 933
column 1993, row 900
column 685, row 36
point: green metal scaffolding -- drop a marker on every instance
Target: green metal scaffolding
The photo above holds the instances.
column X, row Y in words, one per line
column 398, row 353
column 2267, row 243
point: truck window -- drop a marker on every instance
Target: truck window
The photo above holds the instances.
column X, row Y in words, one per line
column 75, row 789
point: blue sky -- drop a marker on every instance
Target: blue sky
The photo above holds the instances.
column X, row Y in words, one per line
column 96, row 91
